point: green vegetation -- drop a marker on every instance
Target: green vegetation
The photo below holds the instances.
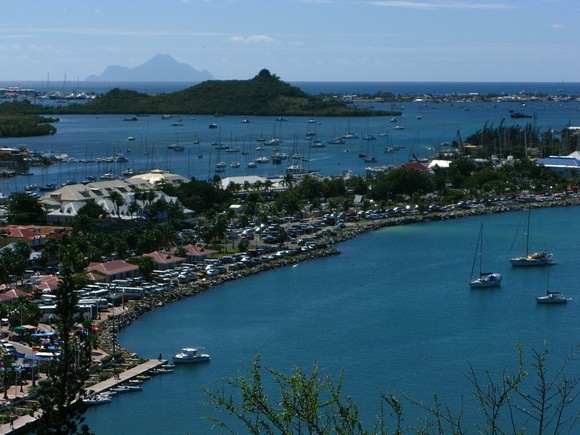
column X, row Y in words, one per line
column 62, row 412
column 310, row 403
column 21, row 125
column 23, row 209
column 265, row 94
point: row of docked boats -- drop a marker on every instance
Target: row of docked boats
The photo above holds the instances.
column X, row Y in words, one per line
column 107, row 396
column 528, row 259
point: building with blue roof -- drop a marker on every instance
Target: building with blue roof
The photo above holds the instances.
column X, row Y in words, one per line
column 567, row 166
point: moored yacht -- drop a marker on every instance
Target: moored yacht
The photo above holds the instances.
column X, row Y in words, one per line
column 190, row 355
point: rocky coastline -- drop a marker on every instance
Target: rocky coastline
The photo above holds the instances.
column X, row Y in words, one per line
column 134, row 309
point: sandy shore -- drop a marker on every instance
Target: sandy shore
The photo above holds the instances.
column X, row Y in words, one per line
column 134, row 309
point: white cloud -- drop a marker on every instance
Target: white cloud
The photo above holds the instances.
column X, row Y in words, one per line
column 252, row 39
column 441, row 5
column 557, row 26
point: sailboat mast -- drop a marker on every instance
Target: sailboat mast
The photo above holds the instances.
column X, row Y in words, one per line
column 480, row 249
column 528, row 234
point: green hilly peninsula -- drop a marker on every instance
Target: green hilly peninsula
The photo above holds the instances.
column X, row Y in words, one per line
column 263, row 95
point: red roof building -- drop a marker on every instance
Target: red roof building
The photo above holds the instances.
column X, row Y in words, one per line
column 165, row 260
column 113, row 270
column 9, row 295
column 418, row 166
column 196, row 253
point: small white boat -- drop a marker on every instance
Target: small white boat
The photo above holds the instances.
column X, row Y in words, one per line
column 126, row 388
column 485, row 279
column 539, row 258
column 552, row 298
column 161, row 370
column 97, row 399
column 190, row 355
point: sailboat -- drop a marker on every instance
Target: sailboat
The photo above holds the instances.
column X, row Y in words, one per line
column 539, row 258
column 485, row 279
column 551, row 297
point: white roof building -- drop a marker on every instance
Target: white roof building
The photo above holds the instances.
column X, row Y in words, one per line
column 62, row 205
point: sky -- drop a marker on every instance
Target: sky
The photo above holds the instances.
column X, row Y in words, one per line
column 298, row 40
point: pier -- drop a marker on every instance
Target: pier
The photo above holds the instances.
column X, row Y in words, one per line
column 26, row 423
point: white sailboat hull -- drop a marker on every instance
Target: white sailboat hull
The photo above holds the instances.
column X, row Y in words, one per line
column 536, row 259
column 487, row 280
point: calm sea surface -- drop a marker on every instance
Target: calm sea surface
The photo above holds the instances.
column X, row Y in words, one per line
column 393, row 312
column 427, row 126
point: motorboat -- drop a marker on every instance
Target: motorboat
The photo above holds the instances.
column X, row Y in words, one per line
column 160, row 370
column 47, row 187
column 97, row 399
column 190, row 355
column 552, row 298
column 126, row 388
column 398, row 127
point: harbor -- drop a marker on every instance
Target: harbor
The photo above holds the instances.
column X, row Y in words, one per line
column 143, row 371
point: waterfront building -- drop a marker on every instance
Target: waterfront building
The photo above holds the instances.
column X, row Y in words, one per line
column 112, row 270
column 165, row 260
column 62, row 205
column 567, row 166
column 195, row 254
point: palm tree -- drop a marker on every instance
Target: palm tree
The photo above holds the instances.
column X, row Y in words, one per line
column 134, row 207
column 288, row 180
column 234, row 188
column 267, row 186
column 117, row 200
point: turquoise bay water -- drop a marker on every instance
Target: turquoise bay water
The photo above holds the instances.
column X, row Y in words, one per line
column 393, row 313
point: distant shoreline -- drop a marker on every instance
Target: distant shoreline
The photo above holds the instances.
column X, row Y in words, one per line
column 320, row 87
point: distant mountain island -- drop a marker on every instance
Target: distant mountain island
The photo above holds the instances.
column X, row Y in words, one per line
column 161, row 67
column 265, row 94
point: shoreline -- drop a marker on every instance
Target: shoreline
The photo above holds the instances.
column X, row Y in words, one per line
column 135, row 309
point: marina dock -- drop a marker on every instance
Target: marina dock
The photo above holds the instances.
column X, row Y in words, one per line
column 26, row 423
column 140, row 370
